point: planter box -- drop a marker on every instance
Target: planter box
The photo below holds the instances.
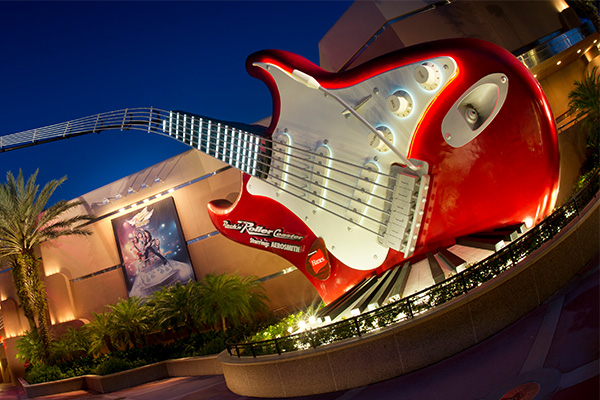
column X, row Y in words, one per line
column 192, row 366
column 47, row 388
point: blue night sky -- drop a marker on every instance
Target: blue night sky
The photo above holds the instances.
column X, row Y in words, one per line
column 66, row 60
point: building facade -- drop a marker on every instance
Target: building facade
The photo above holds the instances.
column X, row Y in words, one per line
column 84, row 274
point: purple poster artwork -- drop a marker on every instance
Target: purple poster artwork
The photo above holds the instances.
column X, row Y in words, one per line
column 152, row 248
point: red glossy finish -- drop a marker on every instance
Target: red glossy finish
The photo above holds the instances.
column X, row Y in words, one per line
column 506, row 175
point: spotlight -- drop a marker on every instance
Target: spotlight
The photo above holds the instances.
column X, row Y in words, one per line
column 130, row 190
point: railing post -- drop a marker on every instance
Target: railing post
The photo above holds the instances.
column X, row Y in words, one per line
column 277, row 347
column 463, row 282
column 511, row 251
column 252, row 350
column 312, row 339
column 357, row 326
column 409, row 308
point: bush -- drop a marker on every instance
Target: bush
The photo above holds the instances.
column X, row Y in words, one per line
column 112, row 365
column 43, row 373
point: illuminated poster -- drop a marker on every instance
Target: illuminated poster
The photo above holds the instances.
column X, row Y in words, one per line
column 152, row 248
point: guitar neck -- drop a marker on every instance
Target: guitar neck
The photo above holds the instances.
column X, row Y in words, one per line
column 231, row 143
column 236, row 144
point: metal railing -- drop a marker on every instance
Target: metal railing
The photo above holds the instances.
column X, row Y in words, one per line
column 426, row 300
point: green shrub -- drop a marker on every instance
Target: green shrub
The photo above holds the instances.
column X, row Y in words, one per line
column 112, row 365
column 43, row 373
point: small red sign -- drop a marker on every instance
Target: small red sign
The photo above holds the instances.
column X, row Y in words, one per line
column 317, row 261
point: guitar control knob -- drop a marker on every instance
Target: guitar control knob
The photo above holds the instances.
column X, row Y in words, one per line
column 400, row 103
column 428, row 75
column 376, row 143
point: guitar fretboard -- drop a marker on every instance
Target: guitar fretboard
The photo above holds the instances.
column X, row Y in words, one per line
column 233, row 143
column 235, row 146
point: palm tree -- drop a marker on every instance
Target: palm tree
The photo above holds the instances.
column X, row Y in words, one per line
column 71, row 345
column 30, row 347
column 230, row 298
column 101, row 334
column 584, row 101
column 25, row 222
column 177, row 306
column 130, row 320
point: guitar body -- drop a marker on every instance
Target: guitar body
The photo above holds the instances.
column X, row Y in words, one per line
column 465, row 110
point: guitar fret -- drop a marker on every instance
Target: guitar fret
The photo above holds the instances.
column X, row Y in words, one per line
column 200, row 122
column 218, row 155
column 237, row 156
column 231, row 142
column 256, row 149
column 235, row 147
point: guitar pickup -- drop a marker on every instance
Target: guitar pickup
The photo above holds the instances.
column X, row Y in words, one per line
column 406, row 198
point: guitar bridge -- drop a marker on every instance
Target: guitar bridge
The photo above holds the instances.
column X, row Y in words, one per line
column 405, row 206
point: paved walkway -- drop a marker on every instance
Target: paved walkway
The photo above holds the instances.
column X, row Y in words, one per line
column 552, row 353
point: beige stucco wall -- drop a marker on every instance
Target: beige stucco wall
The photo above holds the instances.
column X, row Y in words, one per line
column 77, row 257
column 74, row 268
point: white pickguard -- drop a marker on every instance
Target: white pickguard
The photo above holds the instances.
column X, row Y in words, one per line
column 347, row 212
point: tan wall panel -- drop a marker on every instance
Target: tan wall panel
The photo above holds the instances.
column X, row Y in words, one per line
column 191, row 201
column 290, row 292
column 220, row 254
column 15, row 322
column 91, row 295
column 7, row 288
column 558, row 85
column 77, row 256
column 60, row 299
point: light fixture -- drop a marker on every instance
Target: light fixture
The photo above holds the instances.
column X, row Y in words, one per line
column 558, row 63
column 157, row 180
column 143, row 185
column 105, row 200
column 130, row 190
column 118, row 196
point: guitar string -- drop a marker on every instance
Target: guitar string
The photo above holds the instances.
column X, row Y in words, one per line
column 310, row 154
column 125, row 119
column 101, row 121
column 117, row 119
column 212, row 148
column 309, row 161
column 306, row 168
column 314, row 204
column 215, row 153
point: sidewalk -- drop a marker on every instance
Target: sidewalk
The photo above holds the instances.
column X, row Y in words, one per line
column 552, row 353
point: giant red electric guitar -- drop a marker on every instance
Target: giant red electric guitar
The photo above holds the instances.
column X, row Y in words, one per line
column 361, row 170
column 395, row 158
